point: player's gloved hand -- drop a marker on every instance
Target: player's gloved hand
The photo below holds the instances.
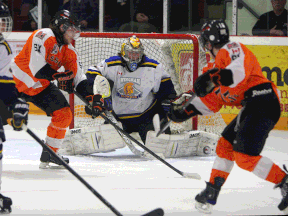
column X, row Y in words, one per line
column 177, row 114
column 211, row 79
column 97, row 104
column 20, row 111
column 65, row 80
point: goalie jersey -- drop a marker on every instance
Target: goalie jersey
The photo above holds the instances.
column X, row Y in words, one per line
column 134, row 93
column 5, row 60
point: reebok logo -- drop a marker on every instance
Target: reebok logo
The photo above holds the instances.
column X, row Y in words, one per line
column 24, row 106
column 261, row 92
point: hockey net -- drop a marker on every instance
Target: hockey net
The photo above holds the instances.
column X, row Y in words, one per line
column 179, row 54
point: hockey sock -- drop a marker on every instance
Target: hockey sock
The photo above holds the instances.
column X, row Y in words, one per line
column 261, row 166
column 56, row 131
column 221, row 168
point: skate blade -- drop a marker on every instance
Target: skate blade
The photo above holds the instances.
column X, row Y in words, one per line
column 204, row 208
column 285, row 211
column 47, row 165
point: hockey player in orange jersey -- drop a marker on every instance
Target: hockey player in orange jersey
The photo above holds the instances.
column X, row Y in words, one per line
column 48, row 55
column 236, row 79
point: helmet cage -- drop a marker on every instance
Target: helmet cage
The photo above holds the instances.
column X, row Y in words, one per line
column 6, row 21
column 132, row 52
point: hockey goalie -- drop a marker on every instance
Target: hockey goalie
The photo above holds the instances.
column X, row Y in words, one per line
column 104, row 138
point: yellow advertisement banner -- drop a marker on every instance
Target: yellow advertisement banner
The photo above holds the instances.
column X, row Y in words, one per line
column 274, row 64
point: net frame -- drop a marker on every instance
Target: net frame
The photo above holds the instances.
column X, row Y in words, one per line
column 200, row 58
column 155, row 36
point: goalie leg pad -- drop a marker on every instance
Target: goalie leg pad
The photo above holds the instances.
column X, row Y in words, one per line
column 102, row 138
column 192, row 143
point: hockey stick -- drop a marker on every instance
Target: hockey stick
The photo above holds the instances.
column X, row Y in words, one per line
column 123, row 136
column 164, row 127
column 155, row 212
column 186, row 175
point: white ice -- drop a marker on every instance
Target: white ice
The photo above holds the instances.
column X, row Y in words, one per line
column 132, row 185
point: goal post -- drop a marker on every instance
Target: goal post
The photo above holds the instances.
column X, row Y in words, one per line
column 179, row 54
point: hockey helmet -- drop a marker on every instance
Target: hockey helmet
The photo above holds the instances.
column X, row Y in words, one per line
column 132, row 52
column 6, row 21
column 69, row 21
column 214, row 31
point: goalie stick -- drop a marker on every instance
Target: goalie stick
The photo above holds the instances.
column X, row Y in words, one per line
column 186, row 175
column 165, row 126
column 124, row 137
column 155, row 212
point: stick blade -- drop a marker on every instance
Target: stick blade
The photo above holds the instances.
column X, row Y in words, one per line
column 192, row 176
column 155, row 212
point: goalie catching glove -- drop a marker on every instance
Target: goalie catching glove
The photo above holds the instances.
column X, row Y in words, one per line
column 211, row 79
column 20, row 111
column 65, row 80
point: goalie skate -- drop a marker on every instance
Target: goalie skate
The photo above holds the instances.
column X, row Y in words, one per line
column 5, row 204
column 48, row 161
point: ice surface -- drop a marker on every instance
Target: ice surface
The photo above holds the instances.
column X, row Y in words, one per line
column 132, row 185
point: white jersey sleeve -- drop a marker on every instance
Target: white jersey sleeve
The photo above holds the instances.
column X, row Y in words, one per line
column 5, row 60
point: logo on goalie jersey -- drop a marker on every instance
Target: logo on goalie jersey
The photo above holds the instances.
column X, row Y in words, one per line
column 129, row 91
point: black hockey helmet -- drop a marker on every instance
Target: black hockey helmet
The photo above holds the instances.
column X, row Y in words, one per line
column 68, row 20
column 6, row 21
column 214, row 31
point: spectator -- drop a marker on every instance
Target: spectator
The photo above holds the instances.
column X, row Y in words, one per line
column 27, row 8
column 141, row 25
column 135, row 13
column 273, row 23
column 86, row 10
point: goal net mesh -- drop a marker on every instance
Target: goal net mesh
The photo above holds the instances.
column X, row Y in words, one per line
column 179, row 54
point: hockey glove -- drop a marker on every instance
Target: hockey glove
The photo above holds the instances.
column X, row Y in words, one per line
column 213, row 78
column 177, row 114
column 65, row 81
column 20, row 111
column 97, row 104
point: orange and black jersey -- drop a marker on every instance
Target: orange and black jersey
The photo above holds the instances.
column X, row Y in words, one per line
column 40, row 52
column 246, row 73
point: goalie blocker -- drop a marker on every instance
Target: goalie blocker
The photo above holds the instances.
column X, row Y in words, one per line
column 191, row 143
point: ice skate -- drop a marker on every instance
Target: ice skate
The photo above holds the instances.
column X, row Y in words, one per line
column 48, row 161
column 208, row 197
column 5, row 204
column 283, row 185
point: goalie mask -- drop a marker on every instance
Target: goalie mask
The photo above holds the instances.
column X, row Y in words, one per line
column 132, row 52
column 215, row 32
column 70, row 23
column 6, row 21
